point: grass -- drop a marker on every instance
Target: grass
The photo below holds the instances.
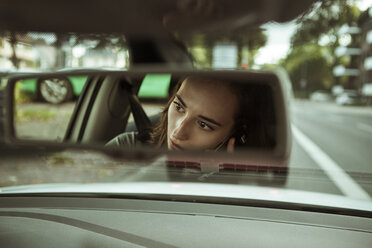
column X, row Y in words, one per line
column 34, row 115
column 23, row 97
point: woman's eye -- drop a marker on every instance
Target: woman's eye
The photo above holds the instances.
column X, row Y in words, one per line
column 179, row 108
column 205, row 126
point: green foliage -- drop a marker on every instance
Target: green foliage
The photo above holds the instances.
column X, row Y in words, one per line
column 309, row 62
column 202, row 56
column 21, row 96
column 326, row 17
column 34, row 115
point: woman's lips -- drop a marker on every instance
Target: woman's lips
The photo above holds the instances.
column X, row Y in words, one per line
column 175, row 146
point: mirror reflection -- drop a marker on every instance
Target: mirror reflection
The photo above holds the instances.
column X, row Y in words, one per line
column 169, row 111
column 207, row 114
column 43, row 106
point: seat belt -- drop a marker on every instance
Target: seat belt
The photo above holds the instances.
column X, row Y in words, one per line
column 141, row 120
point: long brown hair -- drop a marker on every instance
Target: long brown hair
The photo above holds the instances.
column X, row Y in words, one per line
column 158, row 135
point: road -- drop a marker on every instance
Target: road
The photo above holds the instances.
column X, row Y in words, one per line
column 335, row 156
column 343, row 135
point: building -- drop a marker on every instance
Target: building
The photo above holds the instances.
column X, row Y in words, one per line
column 365, row 23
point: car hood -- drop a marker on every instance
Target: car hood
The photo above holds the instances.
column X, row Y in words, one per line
column 191, row 190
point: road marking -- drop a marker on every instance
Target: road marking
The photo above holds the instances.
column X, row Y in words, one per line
column 365, row 127
column 342, row 180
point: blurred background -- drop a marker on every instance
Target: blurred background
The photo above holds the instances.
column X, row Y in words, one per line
column 326, row 52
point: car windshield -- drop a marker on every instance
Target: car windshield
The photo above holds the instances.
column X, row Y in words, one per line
column 321, row 56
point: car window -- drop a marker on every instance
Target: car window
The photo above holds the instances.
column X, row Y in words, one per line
column 43, row 107
column 307, row 129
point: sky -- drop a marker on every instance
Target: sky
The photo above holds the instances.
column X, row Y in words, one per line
column 278, row 42
column 279, row 36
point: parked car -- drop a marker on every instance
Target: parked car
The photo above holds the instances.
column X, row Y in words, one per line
column 59, row 90
column 54, row 90
column 321, row 96
column 350, row 98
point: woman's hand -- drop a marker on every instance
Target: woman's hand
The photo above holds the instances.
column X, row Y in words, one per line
column 230, row 145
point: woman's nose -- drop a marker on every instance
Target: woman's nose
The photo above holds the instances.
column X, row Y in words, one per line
column 181, row 132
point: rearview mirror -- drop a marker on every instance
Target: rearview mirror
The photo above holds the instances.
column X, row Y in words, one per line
column 97, row 107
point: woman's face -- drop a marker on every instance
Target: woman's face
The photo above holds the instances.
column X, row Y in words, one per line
column 201, row 115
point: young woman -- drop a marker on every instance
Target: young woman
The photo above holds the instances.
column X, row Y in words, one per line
column 204, row 114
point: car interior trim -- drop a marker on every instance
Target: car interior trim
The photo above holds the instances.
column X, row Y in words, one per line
column 89, row 108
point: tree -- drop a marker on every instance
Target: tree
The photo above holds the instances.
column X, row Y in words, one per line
column 309, row 68
column 325, row 18
column 319, row 28
column 201, row 45
column 14, row 58
column 254, row 39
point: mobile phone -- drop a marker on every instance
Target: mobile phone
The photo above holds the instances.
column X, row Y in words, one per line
column 240, row 139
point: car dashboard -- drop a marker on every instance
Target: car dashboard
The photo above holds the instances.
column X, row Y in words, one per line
column 78, row 220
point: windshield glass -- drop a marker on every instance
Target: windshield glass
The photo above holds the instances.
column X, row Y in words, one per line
column 320, row 117
column 35, row 51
